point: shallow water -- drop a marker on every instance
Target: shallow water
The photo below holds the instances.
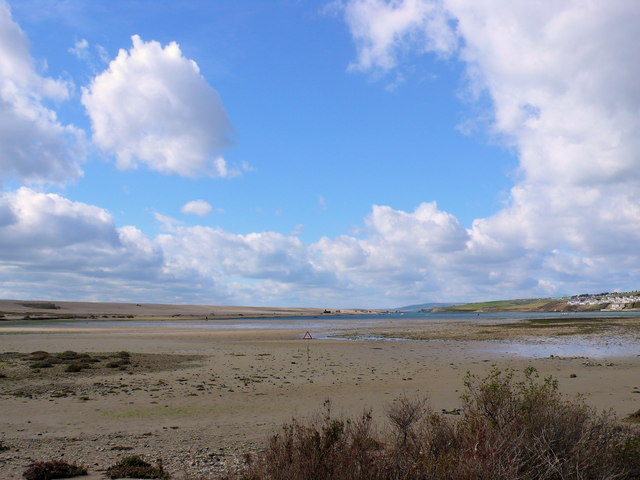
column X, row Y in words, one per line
column 330, row 327
column 324, row 322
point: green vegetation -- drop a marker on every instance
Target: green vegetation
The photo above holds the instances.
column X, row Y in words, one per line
column 77, row 367
column 74, row 362
column 135, row 467
column 41, row 364
column 53, row 469
column 510, row 427
column 583, row 303
column 505, row 305
column 38, row 355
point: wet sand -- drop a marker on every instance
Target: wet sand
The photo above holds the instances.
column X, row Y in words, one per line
column 196, row 398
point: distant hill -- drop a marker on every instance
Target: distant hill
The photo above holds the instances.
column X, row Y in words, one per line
column 517, row 305
column 424, row 306
column 586, row 302
column 629, row 301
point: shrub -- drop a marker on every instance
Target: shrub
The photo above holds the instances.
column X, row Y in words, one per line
column 41, row 364
column 629, row 456
column 38, row 355
column 511, row 427
column 403, row 414
column 53, row 469
column 135, row 467
column 526, row 428
column 633, row 417
column 327, row 448
column 77, row 367
column 68, row 355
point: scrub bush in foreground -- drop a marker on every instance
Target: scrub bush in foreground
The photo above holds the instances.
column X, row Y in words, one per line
column 511, row 427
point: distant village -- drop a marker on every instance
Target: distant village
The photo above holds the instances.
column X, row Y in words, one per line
column 606, row 300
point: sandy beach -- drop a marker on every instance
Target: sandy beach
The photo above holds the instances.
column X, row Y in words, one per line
column 197, row 398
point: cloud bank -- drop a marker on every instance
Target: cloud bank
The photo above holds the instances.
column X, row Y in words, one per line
column 561, row 80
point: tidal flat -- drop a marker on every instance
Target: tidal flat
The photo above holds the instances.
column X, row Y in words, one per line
column 199, row 393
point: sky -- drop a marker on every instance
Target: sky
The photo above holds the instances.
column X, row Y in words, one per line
column 350, row 153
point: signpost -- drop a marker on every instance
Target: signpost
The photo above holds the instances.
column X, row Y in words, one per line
column 307, row 337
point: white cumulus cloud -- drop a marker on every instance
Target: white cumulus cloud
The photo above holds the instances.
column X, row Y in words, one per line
column 562, row 78
column 152, row 106
column 48, row 232
column 52, row 247
column 34, row 146
column 209, row 251
column 383, row 30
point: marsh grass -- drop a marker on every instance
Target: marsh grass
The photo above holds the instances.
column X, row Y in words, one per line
column 75, row 362
column 135, row 467
column 512, row 426
column 53, row 469
column 77, row 367
column 41, row 364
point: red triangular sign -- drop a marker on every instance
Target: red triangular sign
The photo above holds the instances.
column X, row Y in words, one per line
column 307, row 336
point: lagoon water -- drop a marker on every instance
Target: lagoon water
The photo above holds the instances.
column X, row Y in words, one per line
column 331, row 327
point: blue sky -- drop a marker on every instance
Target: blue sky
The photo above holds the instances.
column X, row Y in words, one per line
column 363, row 152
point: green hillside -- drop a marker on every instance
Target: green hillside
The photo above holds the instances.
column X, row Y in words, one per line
column 585, row 302
column 524, row 305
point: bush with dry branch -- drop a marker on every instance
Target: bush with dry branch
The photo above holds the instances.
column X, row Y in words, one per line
column 512, row 427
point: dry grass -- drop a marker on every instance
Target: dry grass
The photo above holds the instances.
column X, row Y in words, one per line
column 512, row 427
